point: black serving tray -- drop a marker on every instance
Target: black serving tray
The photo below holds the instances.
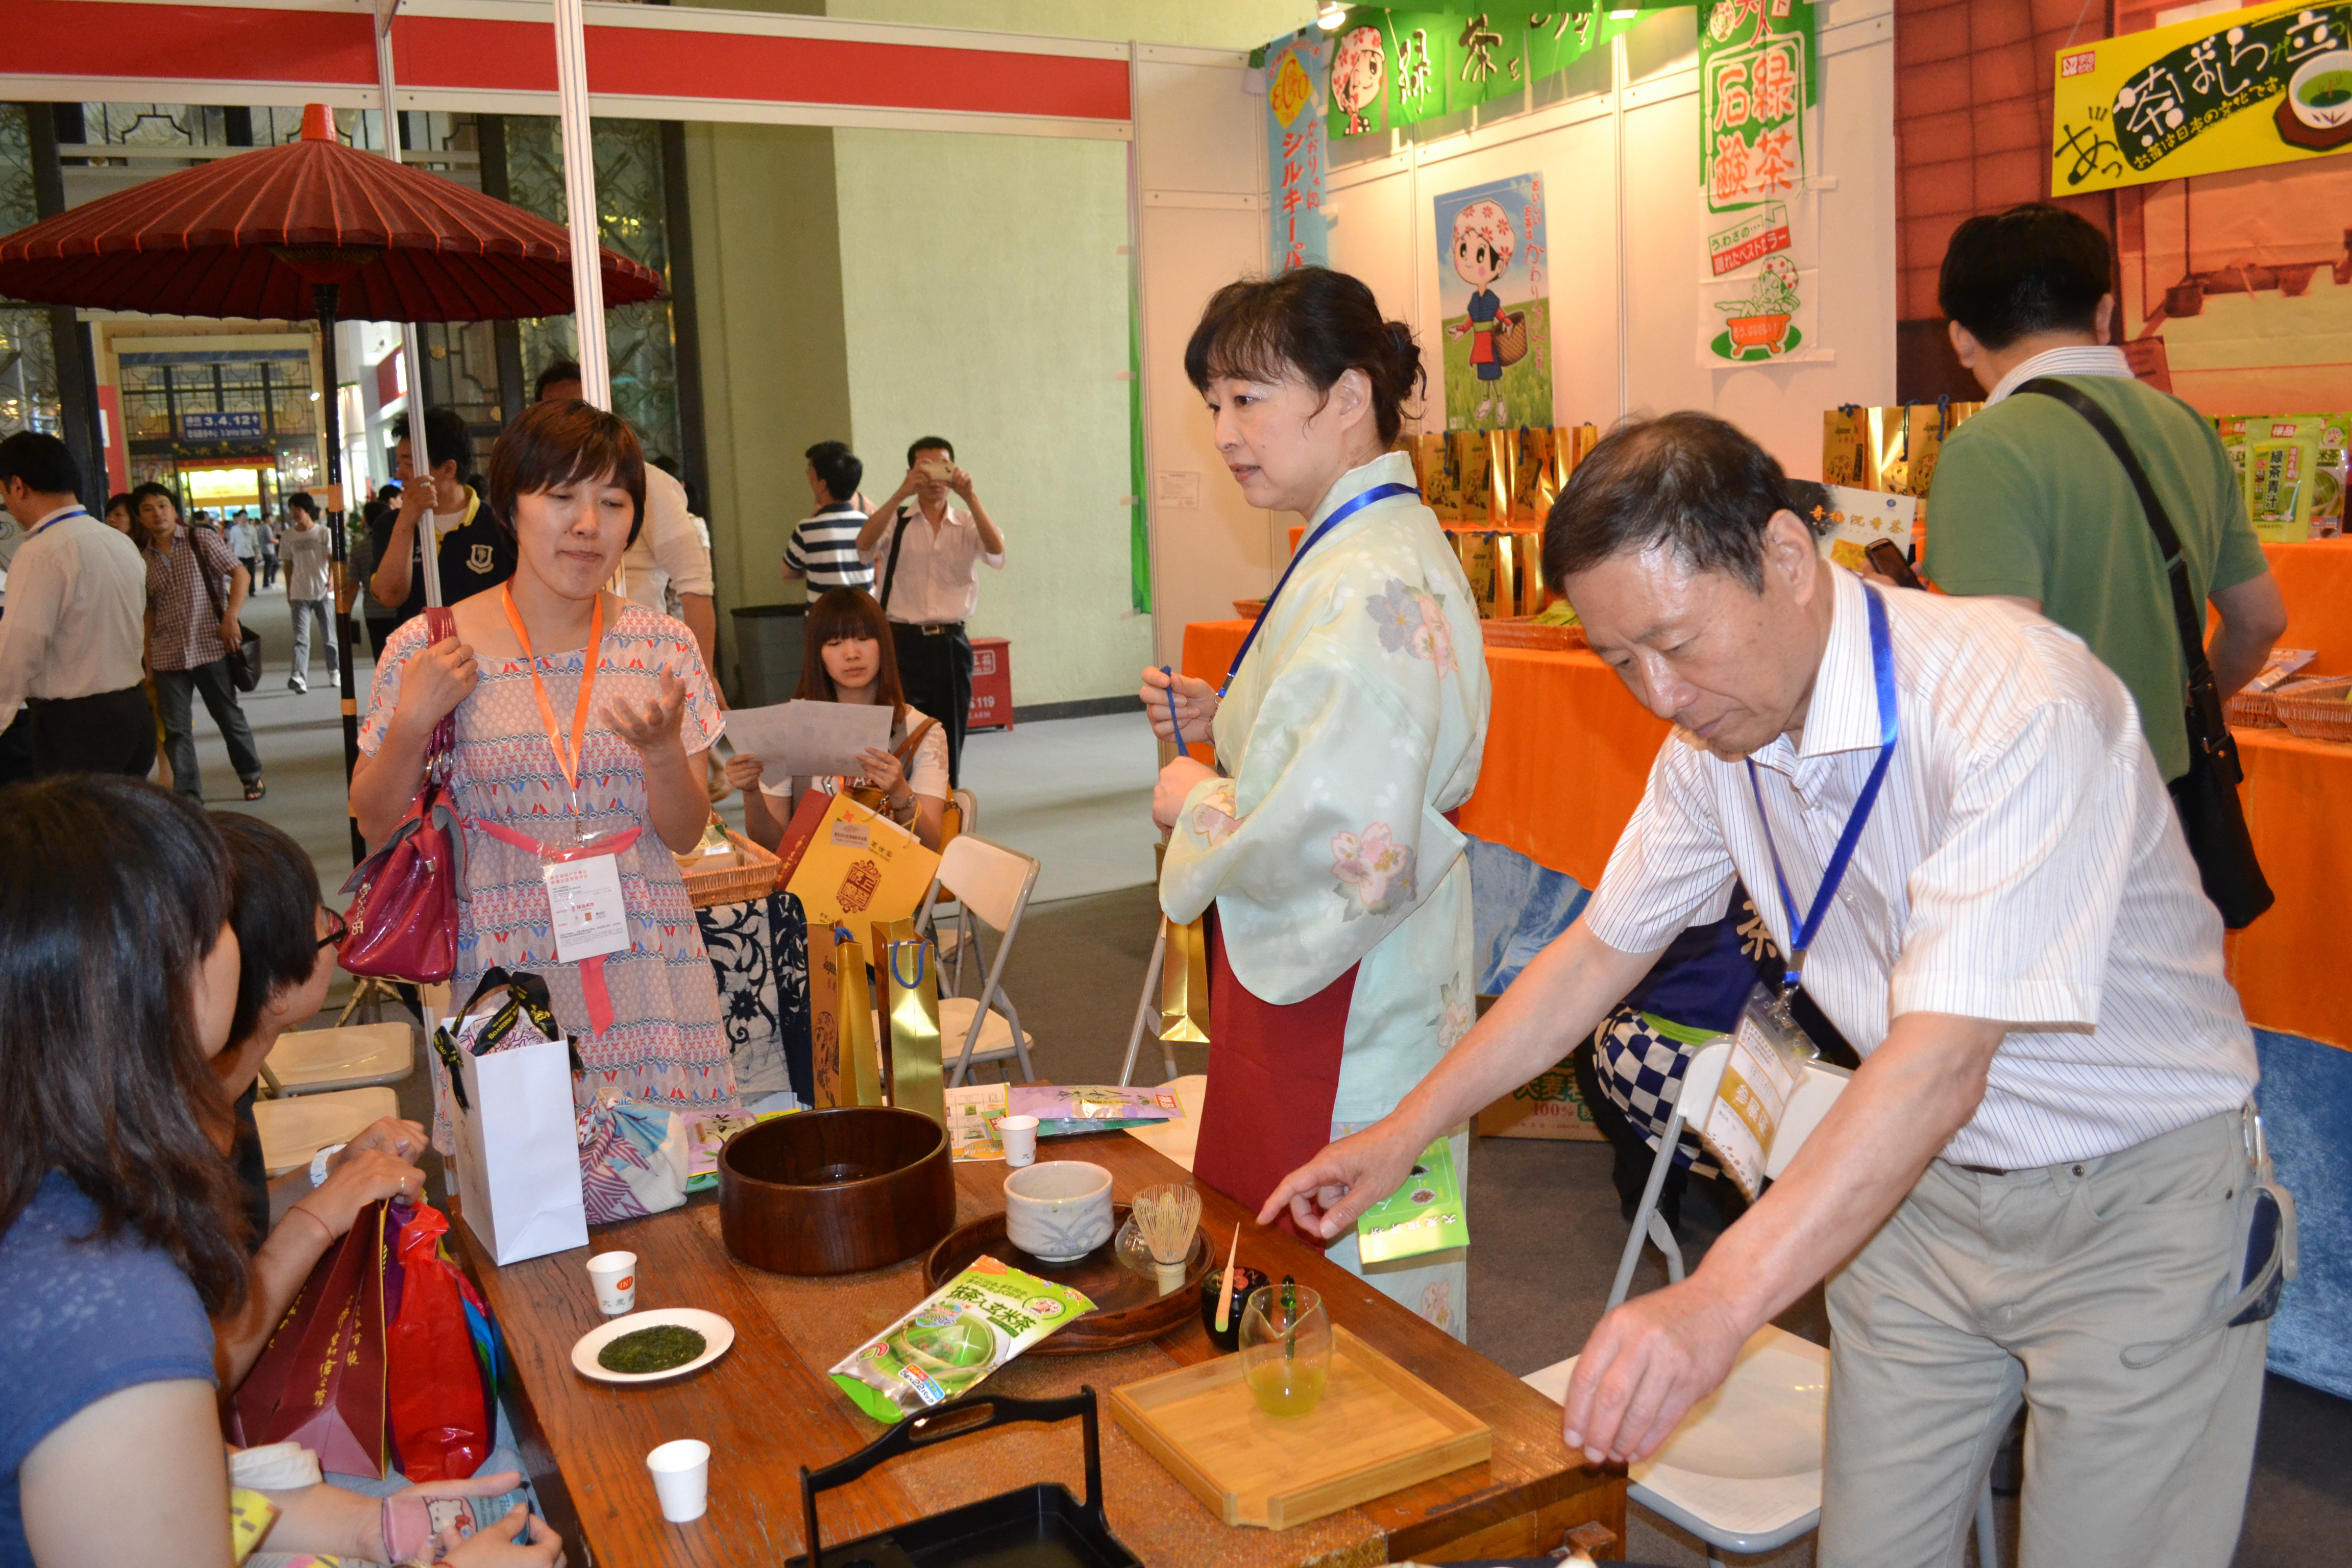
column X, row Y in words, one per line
column 1039, row 1526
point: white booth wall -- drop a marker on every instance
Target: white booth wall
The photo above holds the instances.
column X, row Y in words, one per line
column 1624, row 326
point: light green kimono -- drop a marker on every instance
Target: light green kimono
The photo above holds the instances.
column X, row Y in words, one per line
column 1358, row 717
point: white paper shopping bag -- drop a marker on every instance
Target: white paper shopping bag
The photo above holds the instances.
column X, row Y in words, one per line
column 519, row 1151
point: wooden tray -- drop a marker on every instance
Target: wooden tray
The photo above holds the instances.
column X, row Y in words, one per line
column 1378, row 1428
column 1129, row 1307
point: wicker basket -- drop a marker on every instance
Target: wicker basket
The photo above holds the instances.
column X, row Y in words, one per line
column 1521, row 631
column 2252, row 710
column 1249, row 609
column 2316, row 712
column 754, row 877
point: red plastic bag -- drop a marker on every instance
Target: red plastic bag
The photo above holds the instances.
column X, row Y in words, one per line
column 440, row 1423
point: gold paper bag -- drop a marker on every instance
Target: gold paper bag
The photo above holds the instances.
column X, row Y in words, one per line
column 826, row 1060
column 1505, row 576
column 907, row 978
column 1410, row 445
column 1526, row 552
column 1926, row 428
column 1845, row 447
column 1563, row 455
column 1469, row 452
column 1475, row 549
column 1184, row 983
column 1889, row 462
column 1502, row 474
column 1533, row 489
column 861, row 1069
column 1588, row 436
column 1441, row 479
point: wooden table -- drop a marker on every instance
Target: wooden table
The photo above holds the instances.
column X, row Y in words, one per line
column 766, row 1408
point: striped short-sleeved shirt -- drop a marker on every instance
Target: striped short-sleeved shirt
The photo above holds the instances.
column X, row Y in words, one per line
column 825, row 547
column 2023, row 865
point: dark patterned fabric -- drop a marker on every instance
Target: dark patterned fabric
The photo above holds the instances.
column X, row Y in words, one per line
column 759, row 952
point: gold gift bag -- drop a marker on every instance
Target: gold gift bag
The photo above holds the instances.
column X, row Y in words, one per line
column 1845, row 447
column 1503, row 574
column 907, row 980
column 1925, row 428
column 1588, row 436
column 1889, row 463
column 1183, row 974
column 861, row 1070
column 1526, row 559
column 1469, row 452
column 1410, row 445
column 825, row 1023
column 1534, row 488
column 1502, row 474
column 1475, row 549
column 1441, row 479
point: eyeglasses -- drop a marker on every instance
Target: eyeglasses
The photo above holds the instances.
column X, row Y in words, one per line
column 338, row 929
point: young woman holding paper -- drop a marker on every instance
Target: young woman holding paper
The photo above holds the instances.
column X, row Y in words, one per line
column 1337, row 890
column 849, row 658
column 583, row 726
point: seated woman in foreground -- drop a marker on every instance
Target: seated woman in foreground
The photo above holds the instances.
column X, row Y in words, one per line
column 121, row 1229
column 286, row 941
column 849, row 657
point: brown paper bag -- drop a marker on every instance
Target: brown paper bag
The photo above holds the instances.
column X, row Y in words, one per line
column 907, row 987
column 1470, row 471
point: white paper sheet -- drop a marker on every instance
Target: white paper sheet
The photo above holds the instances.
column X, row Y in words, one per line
column 802, row 738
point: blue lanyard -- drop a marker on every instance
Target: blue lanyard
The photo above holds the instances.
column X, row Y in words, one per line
column 1340, row 515
column 49, row 521
column 1802, row 932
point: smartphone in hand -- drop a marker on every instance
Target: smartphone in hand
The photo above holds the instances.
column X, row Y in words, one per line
column 1885, row 558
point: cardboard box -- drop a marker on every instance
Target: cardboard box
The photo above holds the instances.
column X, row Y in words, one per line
column 1548, row 1107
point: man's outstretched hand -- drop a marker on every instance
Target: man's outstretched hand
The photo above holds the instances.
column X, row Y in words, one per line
column 1326, row 1193
column 1644, row 1366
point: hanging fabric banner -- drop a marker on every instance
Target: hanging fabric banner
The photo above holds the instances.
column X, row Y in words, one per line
column 1495, row 298
column 1756, row 77
column 2268, row 84
column 1391, row 68
column 1297, row 72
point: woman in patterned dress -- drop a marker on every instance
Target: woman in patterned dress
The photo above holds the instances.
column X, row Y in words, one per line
column 1340, row 956
column 542, row 768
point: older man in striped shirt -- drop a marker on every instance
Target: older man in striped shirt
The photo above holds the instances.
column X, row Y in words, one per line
column 2038, row 1180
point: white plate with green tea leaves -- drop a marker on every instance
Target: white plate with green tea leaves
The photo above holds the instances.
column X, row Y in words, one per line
column 652, row 1346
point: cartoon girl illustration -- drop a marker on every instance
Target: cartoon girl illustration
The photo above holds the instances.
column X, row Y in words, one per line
column 1356, row 69
column 1484, row 243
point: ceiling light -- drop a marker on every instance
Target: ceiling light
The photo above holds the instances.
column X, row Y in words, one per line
column 1332, row 17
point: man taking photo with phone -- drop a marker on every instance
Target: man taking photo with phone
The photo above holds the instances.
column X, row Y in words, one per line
column 926, row 554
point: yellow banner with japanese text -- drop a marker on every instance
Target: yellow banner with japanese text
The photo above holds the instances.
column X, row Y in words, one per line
column 2268, row 84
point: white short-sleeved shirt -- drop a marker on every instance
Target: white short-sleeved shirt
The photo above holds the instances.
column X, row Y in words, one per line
column 926, row 770
column 2023, row 863
column 938, row 581
column 670, row 550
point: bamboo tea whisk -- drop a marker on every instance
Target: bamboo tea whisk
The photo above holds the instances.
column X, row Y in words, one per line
column 1166, row 1215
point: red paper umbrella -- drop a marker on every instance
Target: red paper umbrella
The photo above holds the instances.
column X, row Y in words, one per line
column 251, row 235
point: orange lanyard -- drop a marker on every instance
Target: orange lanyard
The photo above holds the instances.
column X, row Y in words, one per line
column 571, row 765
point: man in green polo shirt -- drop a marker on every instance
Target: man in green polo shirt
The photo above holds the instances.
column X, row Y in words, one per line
column 2030, row 505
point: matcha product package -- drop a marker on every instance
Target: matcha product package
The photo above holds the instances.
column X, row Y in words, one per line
column 1470, row 471
column 1425, row 1215
column 956, row 1336
column 2293, row 467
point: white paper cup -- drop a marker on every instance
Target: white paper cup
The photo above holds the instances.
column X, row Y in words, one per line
column 1019, row 1136
column 615, row 1275
column 682, row 1479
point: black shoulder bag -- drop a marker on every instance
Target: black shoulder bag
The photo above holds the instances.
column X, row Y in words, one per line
column 244, row 659
column 890, row 572
column 2206, row 796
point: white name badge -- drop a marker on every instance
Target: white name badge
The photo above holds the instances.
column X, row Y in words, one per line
column 584, row 897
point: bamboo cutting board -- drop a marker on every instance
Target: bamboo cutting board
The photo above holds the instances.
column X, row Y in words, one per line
column 1377, row 1428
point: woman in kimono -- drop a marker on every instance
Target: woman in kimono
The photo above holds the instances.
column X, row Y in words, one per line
column 1336, row 890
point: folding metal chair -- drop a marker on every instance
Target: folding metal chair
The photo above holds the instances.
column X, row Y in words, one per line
column 991, row 884
column 1743, row 1471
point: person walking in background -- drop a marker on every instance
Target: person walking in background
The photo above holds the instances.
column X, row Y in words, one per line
column 69, row 643
column 245, row 539
column 265, row 534
column 823, row 549
column 305, row 550
column 188, row 639
column 931, row 586
column 671, row 551
column 118, row 517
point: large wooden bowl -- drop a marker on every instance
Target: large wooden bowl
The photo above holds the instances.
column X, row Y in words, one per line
column 834, row 1192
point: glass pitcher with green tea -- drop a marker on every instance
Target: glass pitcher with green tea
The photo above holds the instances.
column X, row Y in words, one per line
column 1285, row 1348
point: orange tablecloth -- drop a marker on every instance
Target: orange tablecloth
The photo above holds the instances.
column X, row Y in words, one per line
column 1568, row 750
column 2316, row 580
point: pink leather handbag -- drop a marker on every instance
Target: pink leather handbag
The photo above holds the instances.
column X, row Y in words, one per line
column 404, row 910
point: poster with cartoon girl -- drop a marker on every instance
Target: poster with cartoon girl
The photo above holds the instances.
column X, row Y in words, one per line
column 1358, row 66
column 1494, row 287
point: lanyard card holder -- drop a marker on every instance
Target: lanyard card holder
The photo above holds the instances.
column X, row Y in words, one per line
column 1768, row 1057
column 582, row 873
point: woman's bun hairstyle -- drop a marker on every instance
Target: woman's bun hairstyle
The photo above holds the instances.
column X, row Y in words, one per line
column 1312, row 323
